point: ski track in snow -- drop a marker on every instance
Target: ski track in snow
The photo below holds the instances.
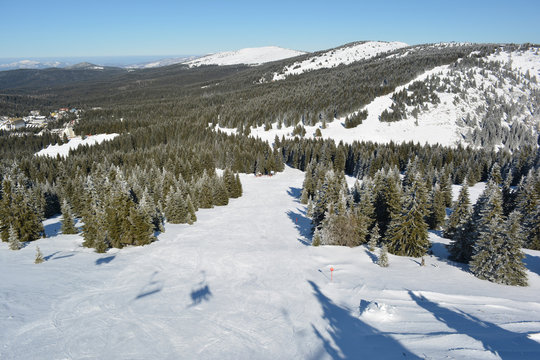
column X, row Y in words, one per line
column 241, row 283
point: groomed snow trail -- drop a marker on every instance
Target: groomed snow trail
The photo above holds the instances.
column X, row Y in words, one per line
column 242, row 284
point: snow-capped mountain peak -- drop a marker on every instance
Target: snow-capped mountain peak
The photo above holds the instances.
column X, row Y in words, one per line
column 343, row 55
column 248, row 56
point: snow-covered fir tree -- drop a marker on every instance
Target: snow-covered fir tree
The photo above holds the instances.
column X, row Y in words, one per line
column 497, row 252
column 374, row 237
column 14, row 243
column 39, row 256
column 382, row 261
column 407, row 234
column 437, row 209
column 68, row 224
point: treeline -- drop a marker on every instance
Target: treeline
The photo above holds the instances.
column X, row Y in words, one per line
column 361, row 159
column 162, row 169
column 395, row 211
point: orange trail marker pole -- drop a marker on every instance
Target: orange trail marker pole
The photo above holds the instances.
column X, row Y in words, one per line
column 331, row 273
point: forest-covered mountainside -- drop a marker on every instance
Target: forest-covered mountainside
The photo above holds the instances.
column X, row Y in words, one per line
column 162, row 164
column 485, row 95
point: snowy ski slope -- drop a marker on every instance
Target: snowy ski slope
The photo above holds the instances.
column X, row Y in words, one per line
column 242, row 284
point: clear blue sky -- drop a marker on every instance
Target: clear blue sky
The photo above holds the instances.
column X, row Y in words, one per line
column 49, row 28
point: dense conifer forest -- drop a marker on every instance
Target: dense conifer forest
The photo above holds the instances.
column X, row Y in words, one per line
column 162, row 166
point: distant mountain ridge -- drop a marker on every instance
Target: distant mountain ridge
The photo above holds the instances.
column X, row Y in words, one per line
column 248, row 56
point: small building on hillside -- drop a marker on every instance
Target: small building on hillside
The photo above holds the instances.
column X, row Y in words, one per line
column 13, row 124
column 68, row 132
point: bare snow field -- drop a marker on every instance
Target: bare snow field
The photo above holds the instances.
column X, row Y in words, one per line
column 242, row 283
column 63, row 150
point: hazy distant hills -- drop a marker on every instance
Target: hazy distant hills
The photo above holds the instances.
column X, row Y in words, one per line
column 250, row 56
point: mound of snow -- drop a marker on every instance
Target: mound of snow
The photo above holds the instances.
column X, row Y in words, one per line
column 248, row 56
column 344, row 55
column 63, row 150
column 376, row 311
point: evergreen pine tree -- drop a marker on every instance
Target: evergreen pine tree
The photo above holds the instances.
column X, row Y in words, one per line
column 68, row 225
column 39, row 256
column 459, row 214
column 492, row 251
column 437, row 209
column 102, row 243
column 205, row 192
column 513, row 271
column 191, row 217
column 14, row 243
column 220, row 196
column 5, row 210
column 446, row 189
column 176, row 210
column 383, row 257
column 316, row 238
column 239, row 190
column 408, row 232
column 374, row 237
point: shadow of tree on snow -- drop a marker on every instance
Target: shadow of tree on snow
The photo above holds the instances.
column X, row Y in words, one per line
column 351, row 338
column 152, row 287
column 295, row 193
column 504, row 343
column 302, row 224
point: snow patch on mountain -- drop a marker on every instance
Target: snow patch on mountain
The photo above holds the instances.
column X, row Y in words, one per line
column 343, row 55
column 520, row 60
column 63, row 150
column 248, row 56
column 492, row 102
column 161, row 62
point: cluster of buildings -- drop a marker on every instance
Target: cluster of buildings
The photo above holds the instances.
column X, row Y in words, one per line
column 36, row 120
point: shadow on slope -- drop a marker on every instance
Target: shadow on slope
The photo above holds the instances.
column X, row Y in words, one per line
column 532, row 263
column 302, row 224
column 105, row 260
column 351, row 338
column 295, row 193
column 201, row 292
column 372, row 255
column 504, row 343
column 152, row 287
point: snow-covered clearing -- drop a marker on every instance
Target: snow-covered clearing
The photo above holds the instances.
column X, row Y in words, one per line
column 249, row 56
column 436, row 127
column 520, row 60
column 242, row 284
column 63, row 150
column 344, row 55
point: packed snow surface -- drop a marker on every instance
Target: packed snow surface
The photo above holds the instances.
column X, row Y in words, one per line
column 63, row 150
column 343, row 55
column 241, row 283
column 248, row 56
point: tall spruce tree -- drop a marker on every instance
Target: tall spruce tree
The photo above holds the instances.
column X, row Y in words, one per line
column 382, row 261
column 374, row 237
column 491, row 251
column 407, row 234
column 68, row 224
column 460, row 228
column 437, row 209
column 460, row 212
column 14, row 243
